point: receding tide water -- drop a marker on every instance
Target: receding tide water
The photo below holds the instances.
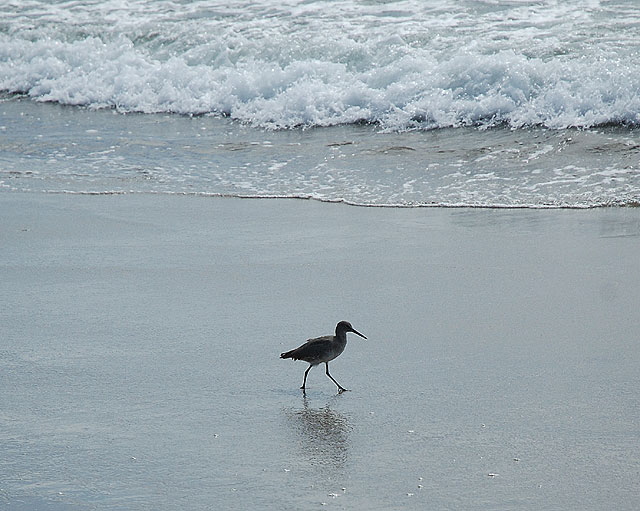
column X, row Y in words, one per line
column 120, row 389
column 48, row 148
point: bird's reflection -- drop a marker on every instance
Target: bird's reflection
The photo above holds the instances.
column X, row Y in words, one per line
column 323, row 433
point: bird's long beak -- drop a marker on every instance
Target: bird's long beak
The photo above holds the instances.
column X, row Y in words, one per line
column 357, row 333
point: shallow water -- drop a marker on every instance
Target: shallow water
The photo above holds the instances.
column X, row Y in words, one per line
column 49, row 148
column 140, row 363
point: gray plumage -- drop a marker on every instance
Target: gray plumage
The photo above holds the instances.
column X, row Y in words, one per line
column 323, row 349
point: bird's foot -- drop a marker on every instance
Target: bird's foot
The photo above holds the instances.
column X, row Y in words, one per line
column 341, row 390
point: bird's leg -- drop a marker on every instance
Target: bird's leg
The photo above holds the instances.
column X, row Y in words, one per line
column 341, row 389
column 304, row 382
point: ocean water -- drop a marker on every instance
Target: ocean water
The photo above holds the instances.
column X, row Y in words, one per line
column 384, row 103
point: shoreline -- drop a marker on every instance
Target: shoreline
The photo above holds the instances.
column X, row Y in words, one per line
column 624, row 204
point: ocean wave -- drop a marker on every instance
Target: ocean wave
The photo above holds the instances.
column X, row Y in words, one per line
column 467, row 90
column 294, row 65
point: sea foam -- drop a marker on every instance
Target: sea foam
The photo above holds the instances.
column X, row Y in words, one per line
column 298, row 64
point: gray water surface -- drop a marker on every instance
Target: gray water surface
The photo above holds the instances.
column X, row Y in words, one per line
column 51, row 148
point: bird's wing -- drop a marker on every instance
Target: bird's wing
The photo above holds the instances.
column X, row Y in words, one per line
column 313, row 348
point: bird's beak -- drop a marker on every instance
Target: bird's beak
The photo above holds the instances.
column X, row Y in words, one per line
column 358, row 333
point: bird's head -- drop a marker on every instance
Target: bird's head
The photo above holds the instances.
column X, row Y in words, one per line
column 345, row 326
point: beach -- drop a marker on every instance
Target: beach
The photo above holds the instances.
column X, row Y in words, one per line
column 140, row 337
column 188, row 190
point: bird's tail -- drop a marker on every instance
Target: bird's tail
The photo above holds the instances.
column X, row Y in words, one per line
column 287, row 354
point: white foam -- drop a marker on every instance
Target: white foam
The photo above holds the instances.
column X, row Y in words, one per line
column 424, row 65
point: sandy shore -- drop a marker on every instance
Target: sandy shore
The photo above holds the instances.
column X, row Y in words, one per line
column 290, row 266
column 494, row 310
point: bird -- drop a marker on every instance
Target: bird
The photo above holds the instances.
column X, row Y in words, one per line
column 323, row 349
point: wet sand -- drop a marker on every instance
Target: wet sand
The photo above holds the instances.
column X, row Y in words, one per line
column 140, row 335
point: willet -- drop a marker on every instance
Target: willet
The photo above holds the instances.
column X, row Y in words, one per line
column 323, row 349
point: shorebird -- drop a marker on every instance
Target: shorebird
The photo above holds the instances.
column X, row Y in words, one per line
column 323, row 349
